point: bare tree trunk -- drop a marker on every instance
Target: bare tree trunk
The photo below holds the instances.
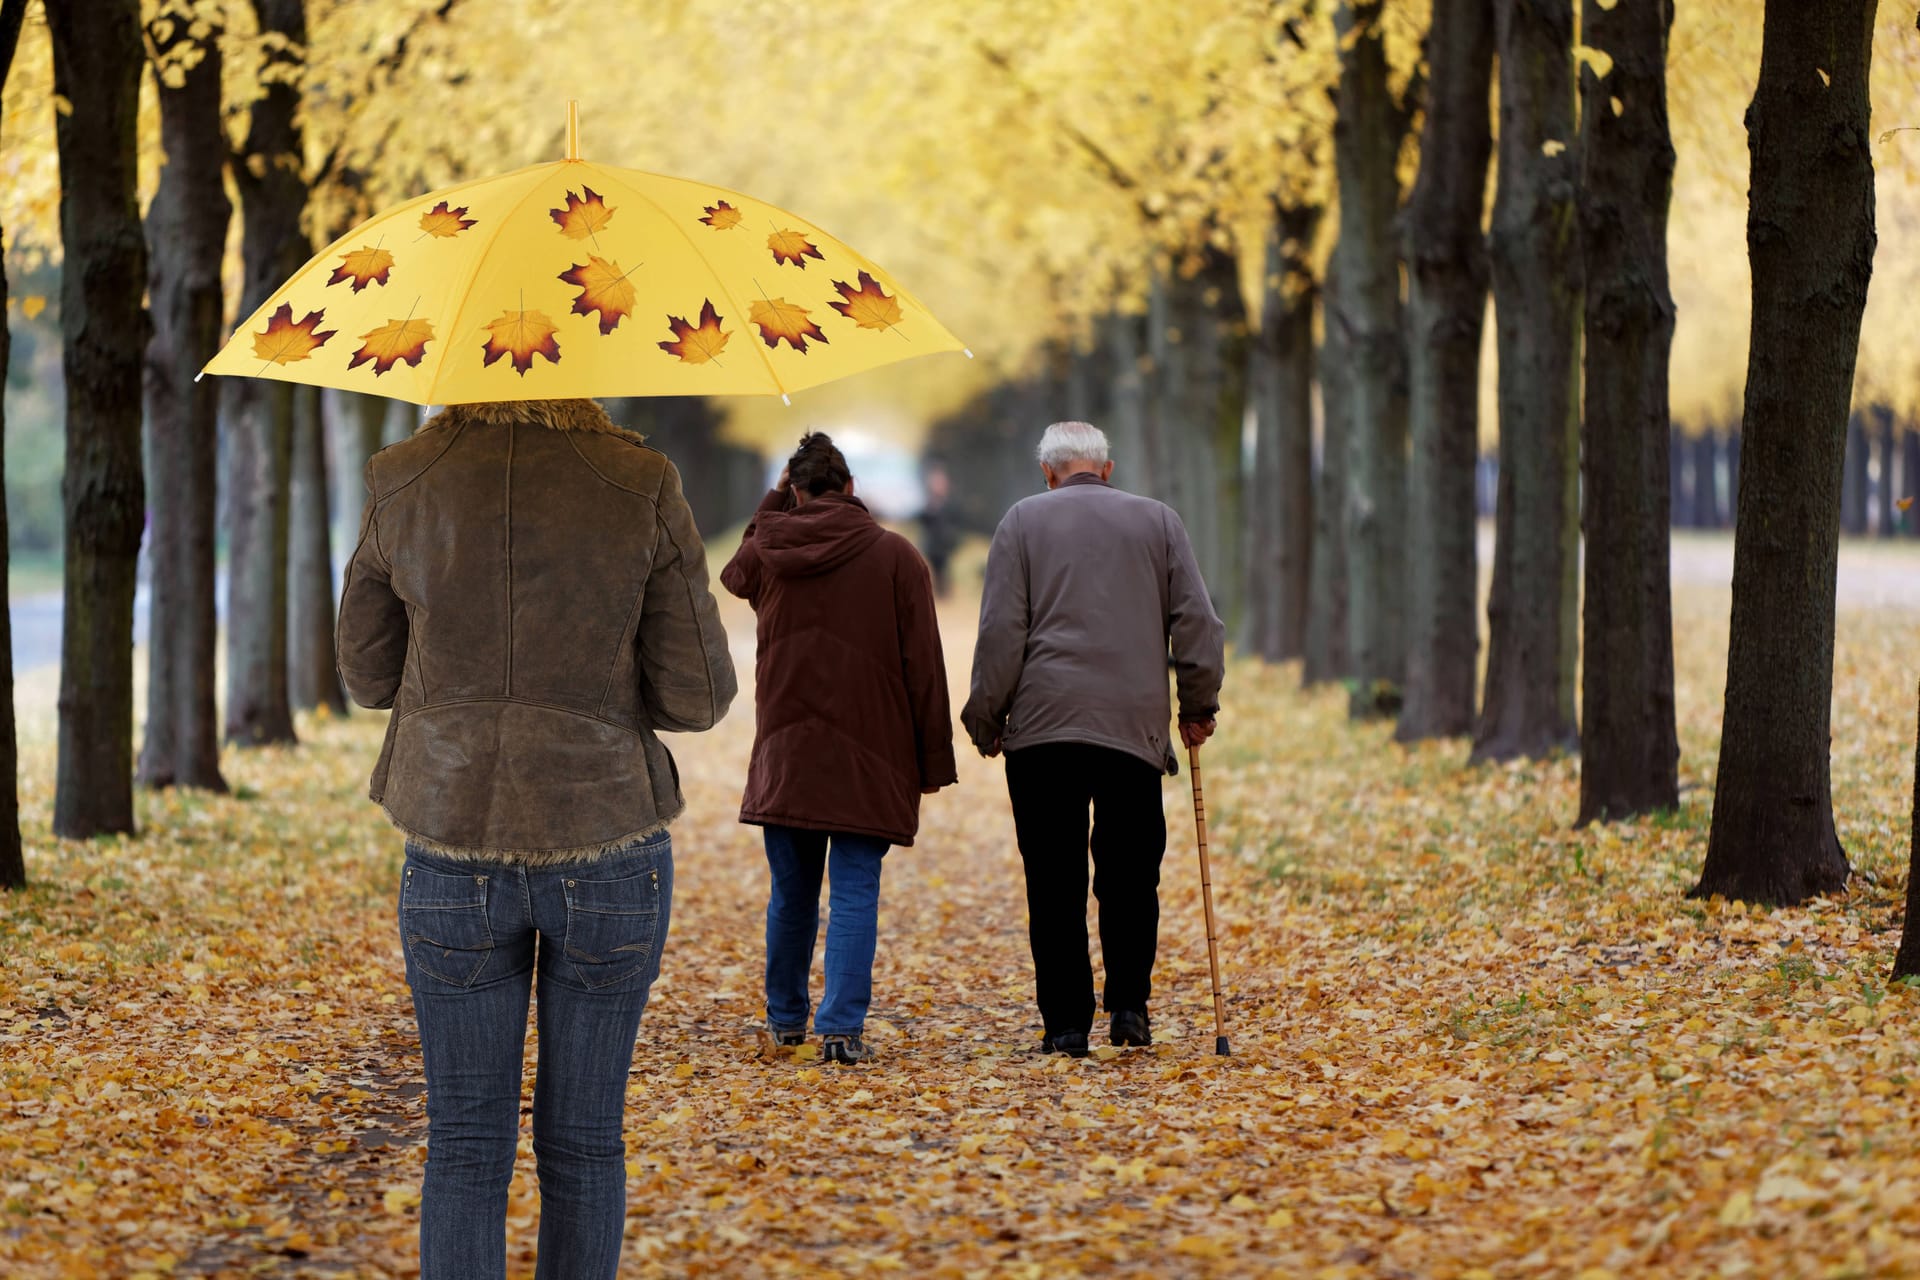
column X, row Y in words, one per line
column 403, row 420
column 97, row 60
column 1810, row 239
column 1532, row 615
column 1906, row 963
column 1884, row 514
column 1629, row 748
column 260, row 443
column 1853, row 488
column 13, row 866
column 186, row 236
column 1733, row 470
column 1126, row 340
column 313, row 676
column 1910, row 479
column 1446, row 314
column 1682, row 501
column 1367, row 133
column 1327, row 656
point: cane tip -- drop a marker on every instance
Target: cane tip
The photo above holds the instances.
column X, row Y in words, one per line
column 1220, row 1047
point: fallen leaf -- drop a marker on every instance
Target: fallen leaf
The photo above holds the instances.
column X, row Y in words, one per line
column 521, row 335
column 697, row 344
column 284, row 342
column 397, row 340
column 604, row 287
column 364, row 266
column 777, row 318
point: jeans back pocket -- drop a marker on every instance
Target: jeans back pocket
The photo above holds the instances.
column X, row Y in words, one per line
column 613, row 926
column 444, row 920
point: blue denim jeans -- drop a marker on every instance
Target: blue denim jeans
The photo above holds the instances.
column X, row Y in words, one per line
column 469, row 931
column 796, row 859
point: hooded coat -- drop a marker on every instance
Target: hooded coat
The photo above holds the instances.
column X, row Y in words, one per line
column 530, row 597
column 852, row 718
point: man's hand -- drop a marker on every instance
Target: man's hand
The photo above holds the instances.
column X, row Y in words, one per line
column 1195, row 732
column 992, row 751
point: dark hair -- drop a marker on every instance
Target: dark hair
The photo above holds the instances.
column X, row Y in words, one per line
column 818, row 466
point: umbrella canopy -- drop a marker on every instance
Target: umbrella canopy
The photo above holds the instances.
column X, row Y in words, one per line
column 576, row 279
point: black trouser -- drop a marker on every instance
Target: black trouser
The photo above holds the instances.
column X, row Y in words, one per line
column 1052, row 787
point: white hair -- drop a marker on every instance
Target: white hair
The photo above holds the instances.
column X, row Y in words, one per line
column 1067, row 442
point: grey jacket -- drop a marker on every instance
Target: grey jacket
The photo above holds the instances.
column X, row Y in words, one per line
column 1087, row 586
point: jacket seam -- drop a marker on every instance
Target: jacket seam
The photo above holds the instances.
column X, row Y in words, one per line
column 693, row 604
column 431, row 463
column 520, row 701
column 613, row 664
column 609, row 480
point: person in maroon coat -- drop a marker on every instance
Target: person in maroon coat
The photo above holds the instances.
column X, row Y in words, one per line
column 852, row 727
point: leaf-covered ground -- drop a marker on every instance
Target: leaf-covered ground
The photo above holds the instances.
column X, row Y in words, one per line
column 1467, row 1040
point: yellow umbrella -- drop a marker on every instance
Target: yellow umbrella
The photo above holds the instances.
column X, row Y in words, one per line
column 576, row 279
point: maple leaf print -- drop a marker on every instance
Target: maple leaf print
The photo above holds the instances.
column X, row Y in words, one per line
column 582, row 218
column 603, row 288
column 791, row 246
column 396, row 340
column 722, row 216
column 779, row 319
column 522, row 335
column 364, row 266
column 440, row 221
column 283, row 341
column 869, row 306
column 697, row 344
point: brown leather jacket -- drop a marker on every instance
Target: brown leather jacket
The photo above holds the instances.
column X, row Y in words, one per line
column 530, row 597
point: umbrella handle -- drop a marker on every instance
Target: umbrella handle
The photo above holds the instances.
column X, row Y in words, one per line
column 1220, row 1045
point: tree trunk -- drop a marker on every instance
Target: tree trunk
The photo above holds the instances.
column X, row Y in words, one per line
column 1127, row 431
column 1532, row 614
column 186, row 236
column 313, row 677
column 1853, row 490
column 1367, row 132
column 1446, row 312
column 403, row 419
column 1906, row 963
column 1733, row 470
column 1629, row 748
column 1280, row 494
column 260, row 444
column 1327, row 654
column 1884, row 514
column 1677, row 472
column 97, row 61
column 1910, row 479
column 13, row 866
column 1707, row 510
column 1810, row 239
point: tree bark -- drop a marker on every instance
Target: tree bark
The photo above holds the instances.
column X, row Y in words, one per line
column 1279, row 499
column 1629, row 747
column 313, row 676
column 1446, row 312
column 13, row 866
column 1532, row 614
column 1810, row 239
column 1327, row 657
column 1884, row 514
column 273, row 194
column 1853, row 488
column 1906, row 962
column 1367, row 132
column 186, row 237
column 97, row 59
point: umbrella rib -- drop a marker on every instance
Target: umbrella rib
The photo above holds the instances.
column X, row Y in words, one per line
column 466, row 290
column 720, row 283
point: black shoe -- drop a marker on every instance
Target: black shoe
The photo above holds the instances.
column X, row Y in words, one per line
column 845, row 1050
column 1071, row 1043
column 787, row 1039
column 1130, row 1028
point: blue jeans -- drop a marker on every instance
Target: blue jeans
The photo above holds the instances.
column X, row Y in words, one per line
column 469, row 931
column 796, row 859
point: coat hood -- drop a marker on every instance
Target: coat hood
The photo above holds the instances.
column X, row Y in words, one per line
column 824, row 534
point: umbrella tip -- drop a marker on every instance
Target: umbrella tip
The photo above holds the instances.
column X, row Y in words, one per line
column 968, row 351
column 573, row 128
column 199, row 375
column 785, row 398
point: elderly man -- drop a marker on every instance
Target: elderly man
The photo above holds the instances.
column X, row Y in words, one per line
column 1087, row 588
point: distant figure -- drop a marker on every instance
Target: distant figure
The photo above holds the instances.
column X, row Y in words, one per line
column 530, row 597
column 852, row 728
column 1086, row 589
column 937, row 532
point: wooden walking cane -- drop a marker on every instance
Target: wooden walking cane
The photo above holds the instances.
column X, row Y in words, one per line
column 1206, row 897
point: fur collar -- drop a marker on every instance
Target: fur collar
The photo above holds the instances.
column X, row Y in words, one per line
column 557, row 415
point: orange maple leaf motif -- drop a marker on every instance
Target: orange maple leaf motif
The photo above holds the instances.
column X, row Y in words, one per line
column 364, row 266
column 869, row 306
column 396, row 340
column 779, row 319
column 283, row 341
column 697, row 343
column 521, row 335
column 792, row 247
column 722, row 216
column 580, row 218
column 603, row 288
column 442, row 222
